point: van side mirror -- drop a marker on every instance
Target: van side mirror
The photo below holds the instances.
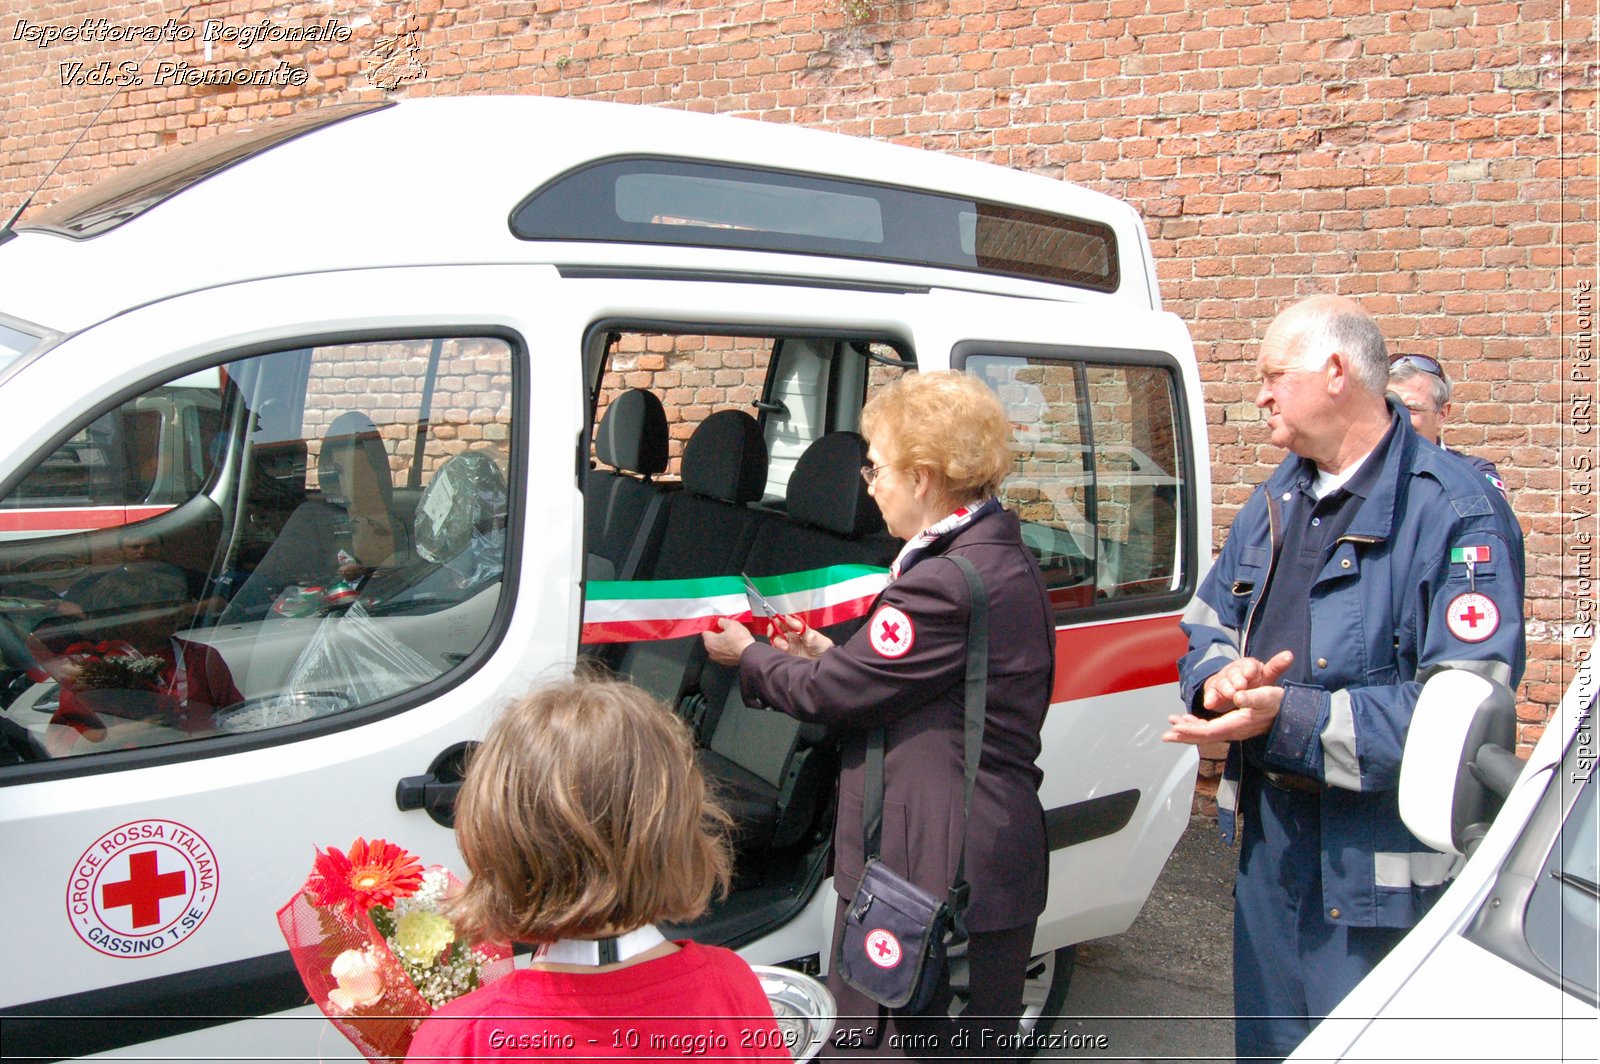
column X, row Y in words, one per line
column 1458, row 764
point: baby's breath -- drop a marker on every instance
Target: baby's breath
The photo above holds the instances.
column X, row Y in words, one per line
column 452, row 973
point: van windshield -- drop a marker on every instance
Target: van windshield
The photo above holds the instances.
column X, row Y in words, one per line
column 107, row 204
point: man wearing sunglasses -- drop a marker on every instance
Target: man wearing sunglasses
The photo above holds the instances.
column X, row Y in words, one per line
column 1364, row 564
column 1422, row 385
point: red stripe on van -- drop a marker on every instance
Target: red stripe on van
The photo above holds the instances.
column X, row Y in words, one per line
column 1105, row 659
column 76, row 518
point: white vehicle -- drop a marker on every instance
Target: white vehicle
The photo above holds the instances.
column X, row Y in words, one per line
column 1507, row 965
column 500, row 381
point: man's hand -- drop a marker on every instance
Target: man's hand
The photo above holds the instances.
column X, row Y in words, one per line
column 1245, row 693
column 1222, row 689
column 727, row 641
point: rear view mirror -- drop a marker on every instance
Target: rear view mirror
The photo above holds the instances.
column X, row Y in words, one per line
column 1458, row 764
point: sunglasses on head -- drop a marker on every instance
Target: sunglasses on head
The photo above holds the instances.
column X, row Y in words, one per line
column 1423, row 362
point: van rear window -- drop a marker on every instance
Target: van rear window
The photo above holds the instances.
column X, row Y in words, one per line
column 107, row 204
column 647, row 200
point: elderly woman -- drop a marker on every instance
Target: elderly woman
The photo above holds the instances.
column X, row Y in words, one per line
column 938, row 450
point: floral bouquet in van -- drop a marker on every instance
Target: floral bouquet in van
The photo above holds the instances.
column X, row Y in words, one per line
column 373, row 948
column 112, row 664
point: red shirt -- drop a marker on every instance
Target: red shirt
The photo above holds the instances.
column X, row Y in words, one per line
column 701, row 1002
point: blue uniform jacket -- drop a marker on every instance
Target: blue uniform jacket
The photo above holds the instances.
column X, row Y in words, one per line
column 1397, row 600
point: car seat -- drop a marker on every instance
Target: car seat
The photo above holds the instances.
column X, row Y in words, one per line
column 350, row 526
column 623, row 505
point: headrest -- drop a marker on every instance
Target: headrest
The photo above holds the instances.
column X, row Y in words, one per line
column 633, row 434
column 371, row 486
column 826, row 489
column 726, row 458
column 476, row 496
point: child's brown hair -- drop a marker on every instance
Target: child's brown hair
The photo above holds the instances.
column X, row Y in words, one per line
column 583, row 814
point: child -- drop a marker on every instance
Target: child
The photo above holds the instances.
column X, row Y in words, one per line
column 584, row 820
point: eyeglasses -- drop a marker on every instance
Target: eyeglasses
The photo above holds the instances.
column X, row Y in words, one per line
column 871, row 473
column 1427, row 365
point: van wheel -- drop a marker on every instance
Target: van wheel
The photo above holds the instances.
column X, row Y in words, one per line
column 1044, row 994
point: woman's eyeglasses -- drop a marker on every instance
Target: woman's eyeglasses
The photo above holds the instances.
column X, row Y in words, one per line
column 1422, row 362
column 870, row 473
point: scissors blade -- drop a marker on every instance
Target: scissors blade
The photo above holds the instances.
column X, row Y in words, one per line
column 759, row 606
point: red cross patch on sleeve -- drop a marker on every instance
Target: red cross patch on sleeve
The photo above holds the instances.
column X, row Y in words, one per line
column 890, row 632
column 1472, row 617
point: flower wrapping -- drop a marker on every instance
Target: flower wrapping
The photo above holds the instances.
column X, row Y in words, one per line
column 113, row 665
column 373, row 949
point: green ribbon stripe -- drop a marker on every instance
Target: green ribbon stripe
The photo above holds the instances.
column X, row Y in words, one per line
column 714, row 586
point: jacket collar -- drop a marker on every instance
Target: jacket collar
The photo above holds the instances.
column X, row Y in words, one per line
column 1379, row 511
column 936, row 539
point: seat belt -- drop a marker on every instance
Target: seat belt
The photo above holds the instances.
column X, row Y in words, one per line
column 647, row 525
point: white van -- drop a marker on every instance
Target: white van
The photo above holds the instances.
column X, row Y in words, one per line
column 1506, row 966
column 494, row 382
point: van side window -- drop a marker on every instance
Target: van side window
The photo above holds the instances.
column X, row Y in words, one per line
column 798, row 388
column 1099, row 481
column 281, row 538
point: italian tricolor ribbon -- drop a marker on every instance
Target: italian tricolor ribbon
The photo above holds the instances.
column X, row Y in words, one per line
column 628, row 611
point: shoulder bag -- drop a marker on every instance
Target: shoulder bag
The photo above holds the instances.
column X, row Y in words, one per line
column 897, row 936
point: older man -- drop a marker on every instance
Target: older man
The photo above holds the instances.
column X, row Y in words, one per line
column 1423, row 388
column 1367, row 562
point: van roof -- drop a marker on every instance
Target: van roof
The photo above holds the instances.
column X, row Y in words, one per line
column 435, row 181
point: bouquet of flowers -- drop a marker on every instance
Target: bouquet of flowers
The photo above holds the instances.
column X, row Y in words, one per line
column 373, row 948
column 112, row 664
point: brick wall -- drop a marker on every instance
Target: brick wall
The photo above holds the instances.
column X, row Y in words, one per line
column 469, row 407
column 694, row 376
column 1435, row 159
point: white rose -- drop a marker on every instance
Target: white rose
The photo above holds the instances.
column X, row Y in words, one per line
column 360, row 982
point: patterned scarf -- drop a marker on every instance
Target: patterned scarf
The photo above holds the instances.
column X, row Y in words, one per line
column 917, row 546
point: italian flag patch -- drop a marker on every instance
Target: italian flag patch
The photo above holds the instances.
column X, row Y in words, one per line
column 629, row 611
column 1469, row 555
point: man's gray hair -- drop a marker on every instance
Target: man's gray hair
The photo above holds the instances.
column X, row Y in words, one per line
column 1352, row 333
column 1439, row 384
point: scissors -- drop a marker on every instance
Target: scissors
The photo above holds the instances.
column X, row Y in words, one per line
column 760, row 606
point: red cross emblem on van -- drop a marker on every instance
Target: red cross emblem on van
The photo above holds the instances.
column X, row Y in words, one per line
column 142, row 888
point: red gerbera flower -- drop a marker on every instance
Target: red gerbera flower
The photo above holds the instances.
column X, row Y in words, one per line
column 375, row 873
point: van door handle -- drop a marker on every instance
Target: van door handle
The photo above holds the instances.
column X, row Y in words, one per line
column 436, row 790
column 426, row 792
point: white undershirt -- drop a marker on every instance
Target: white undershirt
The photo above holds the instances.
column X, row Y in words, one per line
column 1327, row 483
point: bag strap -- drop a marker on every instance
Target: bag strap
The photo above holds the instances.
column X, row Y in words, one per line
column 975, row 696
column 872, row 799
